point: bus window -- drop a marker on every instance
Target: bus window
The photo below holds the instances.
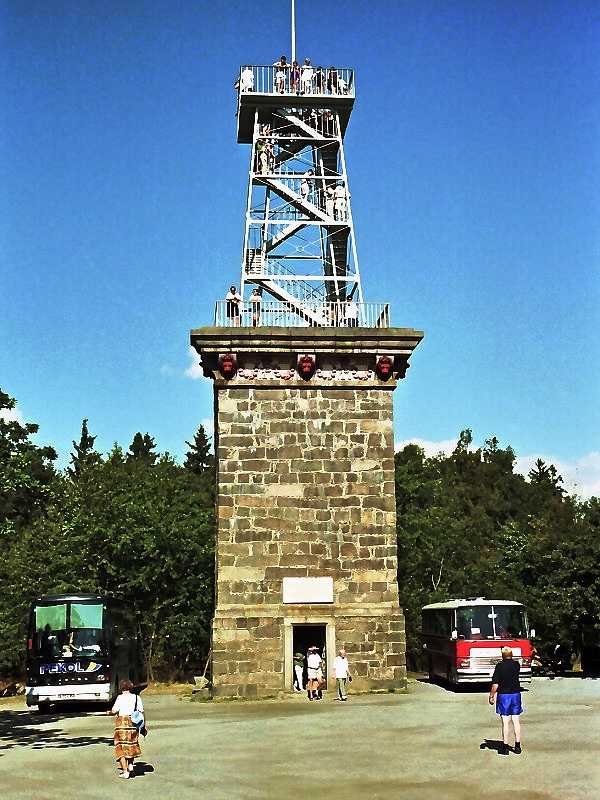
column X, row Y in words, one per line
column 50, row 630
column 510, row 622
column 86, row 615
column 475, row 622
column 437, row 623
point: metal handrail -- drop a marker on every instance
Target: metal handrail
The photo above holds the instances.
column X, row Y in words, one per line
column 273, row 79
column 302, row 314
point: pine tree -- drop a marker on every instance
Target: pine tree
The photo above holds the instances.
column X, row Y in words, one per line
column 199, row 458
column 84, row 456
column 141, row 449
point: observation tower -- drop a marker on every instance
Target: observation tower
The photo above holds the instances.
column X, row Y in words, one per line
column 303, row 370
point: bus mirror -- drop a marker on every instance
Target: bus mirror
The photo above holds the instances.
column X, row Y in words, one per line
column 454, row 635
column 532, row 633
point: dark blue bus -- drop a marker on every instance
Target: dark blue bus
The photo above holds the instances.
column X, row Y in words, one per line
column 79, row 646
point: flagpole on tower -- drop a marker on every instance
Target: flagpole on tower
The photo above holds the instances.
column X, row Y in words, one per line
column 293, row 31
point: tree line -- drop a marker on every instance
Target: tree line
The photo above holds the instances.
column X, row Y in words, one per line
column 136, row 524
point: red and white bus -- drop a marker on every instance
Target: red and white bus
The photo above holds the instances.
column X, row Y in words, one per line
column 463, row 639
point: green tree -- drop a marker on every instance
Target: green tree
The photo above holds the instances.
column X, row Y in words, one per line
column 199, row 458
column 84, row 456
column 142, row 449
column 26, row 470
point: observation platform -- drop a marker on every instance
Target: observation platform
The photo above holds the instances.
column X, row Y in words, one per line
column 329, row 87
column 303, row 314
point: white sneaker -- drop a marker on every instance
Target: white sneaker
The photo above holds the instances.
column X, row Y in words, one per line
column 124, row 775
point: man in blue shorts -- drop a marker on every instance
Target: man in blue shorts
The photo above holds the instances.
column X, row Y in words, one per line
column 507, row 691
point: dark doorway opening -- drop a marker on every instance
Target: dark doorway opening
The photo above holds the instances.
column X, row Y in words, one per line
column 305, row 636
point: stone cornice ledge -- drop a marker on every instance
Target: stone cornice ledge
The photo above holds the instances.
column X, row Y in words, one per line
column 392, row 341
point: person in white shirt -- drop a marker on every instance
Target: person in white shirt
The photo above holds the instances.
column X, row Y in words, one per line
column 247, row 80
column 341, row 200
column 342, row 675
column 351, row 313
column 127, row 745
column 329, row 200
column 313, row 663
column 306, row 77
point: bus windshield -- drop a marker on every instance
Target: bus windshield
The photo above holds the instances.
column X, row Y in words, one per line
column 491, row 622
column 68, row 630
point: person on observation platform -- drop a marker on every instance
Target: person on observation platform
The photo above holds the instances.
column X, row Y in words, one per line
column 333, row 86
column 319, row 80
column 255, row 301
column 281, row 70
column 233, row 303
column 351, row 312
column 306, row 78
column 295, row 77
column 246, row 83
column 506, row 691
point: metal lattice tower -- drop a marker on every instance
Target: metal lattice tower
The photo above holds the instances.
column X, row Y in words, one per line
column 299, row 246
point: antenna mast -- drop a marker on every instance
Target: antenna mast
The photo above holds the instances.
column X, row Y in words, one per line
column 293, row 31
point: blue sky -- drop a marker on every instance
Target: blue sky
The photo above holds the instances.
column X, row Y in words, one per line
column 473, row 162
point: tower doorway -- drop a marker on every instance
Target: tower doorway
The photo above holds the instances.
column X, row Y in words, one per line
column 305, row 636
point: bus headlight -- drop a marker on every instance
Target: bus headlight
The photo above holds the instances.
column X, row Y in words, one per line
column 465, row 662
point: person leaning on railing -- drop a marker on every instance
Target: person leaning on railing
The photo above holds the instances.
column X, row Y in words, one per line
column 351, row 313
column 281, row 70
column 306, row 77
column 233, row 301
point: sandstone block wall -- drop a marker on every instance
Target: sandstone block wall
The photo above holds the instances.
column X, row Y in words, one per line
column 305, row 489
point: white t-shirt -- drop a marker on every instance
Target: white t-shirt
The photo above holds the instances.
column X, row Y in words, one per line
column 125, row 704
column 313, row 663
column 351, row 310
column 340, row 666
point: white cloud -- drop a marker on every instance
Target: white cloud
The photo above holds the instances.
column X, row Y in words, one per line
column 446, row 446
column 12, row 415
column 581, row 476
column 194, row 371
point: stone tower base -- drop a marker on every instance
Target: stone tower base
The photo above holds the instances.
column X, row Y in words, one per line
column 306, row 507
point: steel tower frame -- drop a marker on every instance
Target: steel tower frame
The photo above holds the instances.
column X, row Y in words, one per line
column 299, row 243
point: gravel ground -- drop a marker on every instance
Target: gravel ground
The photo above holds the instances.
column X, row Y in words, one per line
column 421, row 745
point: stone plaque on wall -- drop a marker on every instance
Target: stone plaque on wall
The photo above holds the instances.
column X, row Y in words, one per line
column 308, row 590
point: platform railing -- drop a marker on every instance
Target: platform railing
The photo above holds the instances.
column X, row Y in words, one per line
column 301, row 314
column 275, row 79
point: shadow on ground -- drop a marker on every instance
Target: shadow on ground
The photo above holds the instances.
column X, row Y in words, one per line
column 24, row 729
column 140, row 769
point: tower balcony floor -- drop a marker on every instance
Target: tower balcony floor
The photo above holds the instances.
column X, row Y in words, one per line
column 263, row 91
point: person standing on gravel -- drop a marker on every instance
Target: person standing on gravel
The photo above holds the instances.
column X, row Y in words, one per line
column 313, row 663
column 506, row 690
column 127, row 745
column 342, row 675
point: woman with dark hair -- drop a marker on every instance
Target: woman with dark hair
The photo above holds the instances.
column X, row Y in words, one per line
column 127, row 746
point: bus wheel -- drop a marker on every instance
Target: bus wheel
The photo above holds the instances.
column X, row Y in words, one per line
column 43, row 708
column 430, row 669
column 452, row 678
